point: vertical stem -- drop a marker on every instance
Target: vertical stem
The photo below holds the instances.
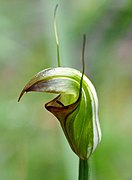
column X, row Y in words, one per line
column 83, row 170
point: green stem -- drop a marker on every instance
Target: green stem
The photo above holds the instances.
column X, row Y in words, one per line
column 83, row 170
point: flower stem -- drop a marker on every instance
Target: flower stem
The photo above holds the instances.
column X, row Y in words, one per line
column 83, row 170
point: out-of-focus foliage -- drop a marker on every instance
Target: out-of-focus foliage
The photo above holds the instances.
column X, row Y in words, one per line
column 32, row 145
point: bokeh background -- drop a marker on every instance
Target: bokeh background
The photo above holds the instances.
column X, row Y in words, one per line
column 32, row 145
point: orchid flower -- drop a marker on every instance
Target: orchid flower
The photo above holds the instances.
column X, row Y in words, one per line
column 76, row 105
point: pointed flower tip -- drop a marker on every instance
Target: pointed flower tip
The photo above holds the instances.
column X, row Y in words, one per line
column 21, row 94
column 28, row 87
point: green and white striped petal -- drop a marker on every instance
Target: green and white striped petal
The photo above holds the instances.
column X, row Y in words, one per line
column 77, row 112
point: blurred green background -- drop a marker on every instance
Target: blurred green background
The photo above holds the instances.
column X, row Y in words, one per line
column 32, row 145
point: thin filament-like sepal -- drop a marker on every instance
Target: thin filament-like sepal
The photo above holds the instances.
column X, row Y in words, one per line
column 83, row 63
column 56, row 37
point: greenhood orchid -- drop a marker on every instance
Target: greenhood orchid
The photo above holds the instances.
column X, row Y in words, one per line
column 76, row 106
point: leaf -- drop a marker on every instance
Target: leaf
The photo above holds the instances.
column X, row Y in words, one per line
column 77, row 111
